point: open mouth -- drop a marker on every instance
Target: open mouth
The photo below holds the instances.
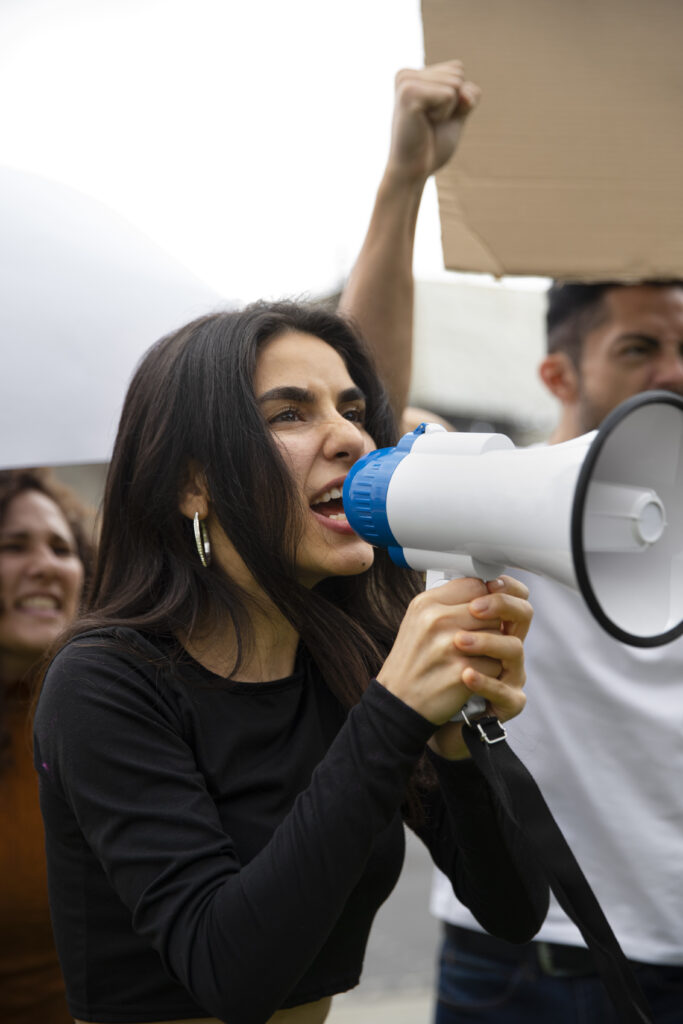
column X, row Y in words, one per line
column 39, row 603
column 329, row 504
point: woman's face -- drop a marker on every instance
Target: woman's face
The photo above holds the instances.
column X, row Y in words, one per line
column 41, row 578
column 317, row 415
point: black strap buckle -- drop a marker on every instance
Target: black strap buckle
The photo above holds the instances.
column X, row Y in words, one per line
column 490, row 729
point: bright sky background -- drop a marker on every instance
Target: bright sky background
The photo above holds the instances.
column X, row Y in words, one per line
column 246, row 138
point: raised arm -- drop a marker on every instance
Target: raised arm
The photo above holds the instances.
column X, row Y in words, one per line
column 430, row 107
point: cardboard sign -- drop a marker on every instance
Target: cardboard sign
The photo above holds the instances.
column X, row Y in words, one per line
column 570, row 166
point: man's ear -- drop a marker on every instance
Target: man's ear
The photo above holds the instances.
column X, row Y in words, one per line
column 194, row 495
column 558, row 373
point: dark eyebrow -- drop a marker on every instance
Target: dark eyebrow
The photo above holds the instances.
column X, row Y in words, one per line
column 647, row 339
column 26, row 535
column 353, row 394
column 306, row 397
column 289, row 394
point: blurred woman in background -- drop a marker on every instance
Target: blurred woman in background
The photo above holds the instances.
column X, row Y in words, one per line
column 45, row 556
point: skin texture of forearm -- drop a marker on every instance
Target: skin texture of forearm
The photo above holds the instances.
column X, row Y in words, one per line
column 379, row 294
column 431, row 106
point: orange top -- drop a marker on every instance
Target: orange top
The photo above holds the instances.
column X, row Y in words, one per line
column 31, row 987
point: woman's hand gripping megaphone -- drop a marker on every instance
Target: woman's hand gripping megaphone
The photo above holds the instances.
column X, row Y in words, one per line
column 462, row 638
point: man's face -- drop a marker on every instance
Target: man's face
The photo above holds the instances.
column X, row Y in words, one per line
column 637, row 346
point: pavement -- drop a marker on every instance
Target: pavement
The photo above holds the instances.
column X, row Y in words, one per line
column 397, row 985
column 406, row 1008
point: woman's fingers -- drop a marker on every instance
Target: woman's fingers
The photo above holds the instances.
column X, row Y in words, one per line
column 504, row 700
column 504, row 647
column 482, row 666
column 450, row 602
column 508, row 604
column 494, row 666
column 502, row 690
column 509, row 585
column 461, row 630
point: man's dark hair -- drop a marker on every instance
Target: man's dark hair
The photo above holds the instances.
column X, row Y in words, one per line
column 574, row 309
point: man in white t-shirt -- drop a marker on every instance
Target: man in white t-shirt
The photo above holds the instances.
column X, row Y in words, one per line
column 602, row 732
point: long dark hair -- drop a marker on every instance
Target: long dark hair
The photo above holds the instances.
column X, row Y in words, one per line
column 191, row 404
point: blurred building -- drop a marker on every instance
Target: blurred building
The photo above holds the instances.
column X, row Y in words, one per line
column 478, row 343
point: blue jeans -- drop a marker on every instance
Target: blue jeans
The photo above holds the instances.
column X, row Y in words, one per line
column 493, row 989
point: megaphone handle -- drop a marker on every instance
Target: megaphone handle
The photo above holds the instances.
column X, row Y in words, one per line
column 475, row 705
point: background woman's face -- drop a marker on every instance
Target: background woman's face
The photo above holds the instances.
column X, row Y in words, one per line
column 41, row 579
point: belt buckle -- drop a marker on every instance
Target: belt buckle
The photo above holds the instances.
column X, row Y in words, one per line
column 545, row 959
column 549, row 966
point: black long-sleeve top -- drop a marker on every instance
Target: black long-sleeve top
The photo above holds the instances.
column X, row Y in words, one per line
column 221, row 848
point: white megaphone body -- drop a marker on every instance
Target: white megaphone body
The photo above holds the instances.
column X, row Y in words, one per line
column 602, row 513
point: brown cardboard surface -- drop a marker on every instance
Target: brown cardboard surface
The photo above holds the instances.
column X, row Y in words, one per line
column 572, row 164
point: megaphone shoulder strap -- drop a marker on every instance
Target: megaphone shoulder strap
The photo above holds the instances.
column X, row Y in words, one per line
column 524, row 804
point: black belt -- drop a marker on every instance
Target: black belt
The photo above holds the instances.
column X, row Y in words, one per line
column 553, row 959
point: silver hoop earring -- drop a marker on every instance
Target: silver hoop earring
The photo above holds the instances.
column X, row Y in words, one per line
column 201, row 536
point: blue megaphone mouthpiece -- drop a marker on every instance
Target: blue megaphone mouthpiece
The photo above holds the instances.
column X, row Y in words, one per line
column 365, row 493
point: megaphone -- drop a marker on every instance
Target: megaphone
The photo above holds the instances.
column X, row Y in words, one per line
column 602, row 513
